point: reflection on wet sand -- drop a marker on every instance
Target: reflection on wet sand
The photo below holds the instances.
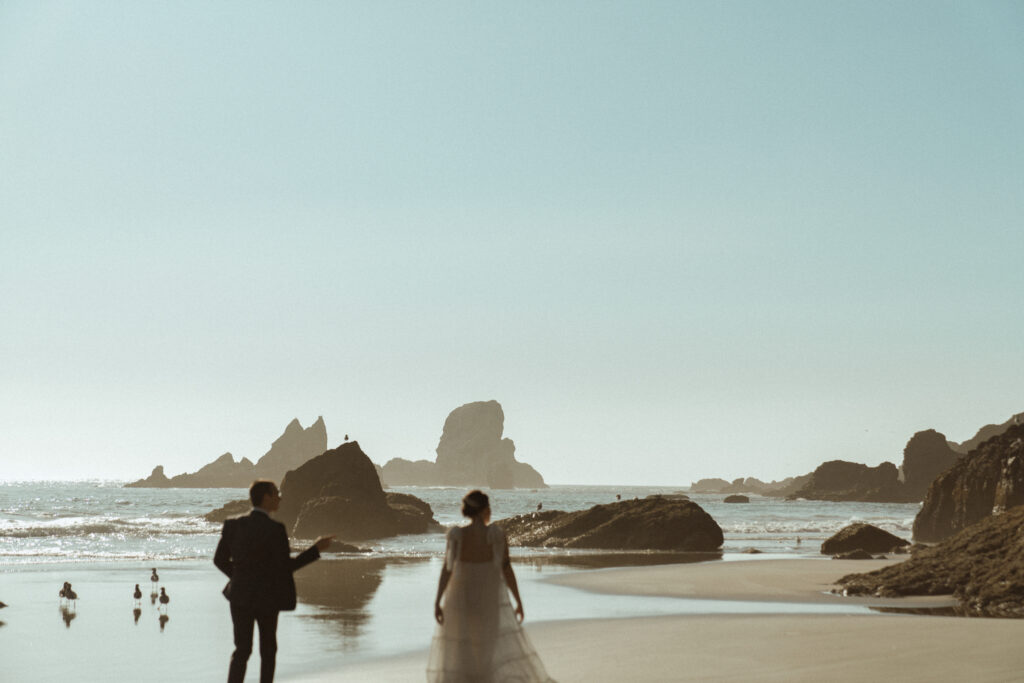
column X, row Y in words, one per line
column 343, row 588
column 68, row 614
column 608, row 560
column 137, row 612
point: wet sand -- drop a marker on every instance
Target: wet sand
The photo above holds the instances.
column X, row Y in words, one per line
column 743, row 647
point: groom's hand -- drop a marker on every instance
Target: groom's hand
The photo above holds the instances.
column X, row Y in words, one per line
column 324, row 542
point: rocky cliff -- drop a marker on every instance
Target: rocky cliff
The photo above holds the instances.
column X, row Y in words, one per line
column 985, row 482
column 986, row 433
column 294, row 447
column 472, row 452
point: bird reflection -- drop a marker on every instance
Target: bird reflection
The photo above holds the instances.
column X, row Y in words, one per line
column 163, row 621
column 152, row 598
column 137, row 612
column 68, row 614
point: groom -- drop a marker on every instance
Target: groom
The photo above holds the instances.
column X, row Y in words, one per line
column 253, row 552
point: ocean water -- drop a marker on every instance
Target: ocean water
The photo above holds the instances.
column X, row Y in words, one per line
column 105, row 538
column 102, row 521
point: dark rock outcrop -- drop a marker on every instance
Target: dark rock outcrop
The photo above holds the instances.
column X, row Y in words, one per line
column 982, row 565
column 926, row 456
column 736, row 498
column 234, row 508
column 471, row 452
column 840, row 480
column 339, row 493
column 648, row 524
column 782, row 488
column 857, row 554
column 294, row 447
column 861, row 536
column 986, row 481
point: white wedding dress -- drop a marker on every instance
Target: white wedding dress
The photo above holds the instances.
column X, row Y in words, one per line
column 480, row 641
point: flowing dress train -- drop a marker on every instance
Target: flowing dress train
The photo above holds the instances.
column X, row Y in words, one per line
column 480, row 641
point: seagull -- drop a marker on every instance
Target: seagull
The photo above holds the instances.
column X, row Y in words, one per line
column 70, row 594
column 64, row 591
column 164, row 598
column 137, row 594
column 2, row 605
column 155, row 578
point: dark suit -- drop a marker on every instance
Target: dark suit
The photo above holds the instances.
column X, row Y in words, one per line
column 253, row 552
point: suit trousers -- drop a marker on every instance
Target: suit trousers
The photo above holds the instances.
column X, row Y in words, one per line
column 244, row 617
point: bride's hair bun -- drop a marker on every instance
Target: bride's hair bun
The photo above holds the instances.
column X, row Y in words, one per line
column 474, row 502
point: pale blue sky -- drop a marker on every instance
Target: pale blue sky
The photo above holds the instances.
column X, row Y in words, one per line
column 674, row 240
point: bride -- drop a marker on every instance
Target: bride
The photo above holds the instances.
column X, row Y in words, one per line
column 479, row 638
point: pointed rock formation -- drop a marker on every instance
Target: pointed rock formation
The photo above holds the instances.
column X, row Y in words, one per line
column 471, row 452
column 294, row 447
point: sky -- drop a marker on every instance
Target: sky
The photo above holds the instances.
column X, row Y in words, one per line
column 674, row 240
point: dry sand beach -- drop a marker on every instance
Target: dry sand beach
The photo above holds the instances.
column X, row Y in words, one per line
column 758, row 647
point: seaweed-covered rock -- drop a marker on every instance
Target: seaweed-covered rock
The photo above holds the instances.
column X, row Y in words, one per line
column 861, row 536
column 982, row 565
column 648, row 524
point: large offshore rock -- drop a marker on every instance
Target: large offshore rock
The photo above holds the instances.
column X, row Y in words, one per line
column 648, row 524
column 982, row 565
column 782, row 488
column 840, row 480
column 861, row 536
column 926, row 456
column 988, row 480
column 340, row 493
column 472, row 452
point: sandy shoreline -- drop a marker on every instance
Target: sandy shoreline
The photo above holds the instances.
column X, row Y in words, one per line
column 741, row 647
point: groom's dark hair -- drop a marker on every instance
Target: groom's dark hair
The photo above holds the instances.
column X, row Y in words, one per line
column 260, row 488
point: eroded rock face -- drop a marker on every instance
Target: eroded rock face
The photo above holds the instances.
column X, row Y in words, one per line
column 339, row 492
column 861, row 536
column 988, row 480
column 926, row 456
column 982, row 566
column 472, row 452
column 840, row 480
column 648, row 524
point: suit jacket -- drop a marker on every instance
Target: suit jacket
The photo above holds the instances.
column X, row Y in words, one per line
column 253, row 552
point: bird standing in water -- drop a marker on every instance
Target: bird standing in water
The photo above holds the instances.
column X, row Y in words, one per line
column 137, row 594
column 164, row 599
